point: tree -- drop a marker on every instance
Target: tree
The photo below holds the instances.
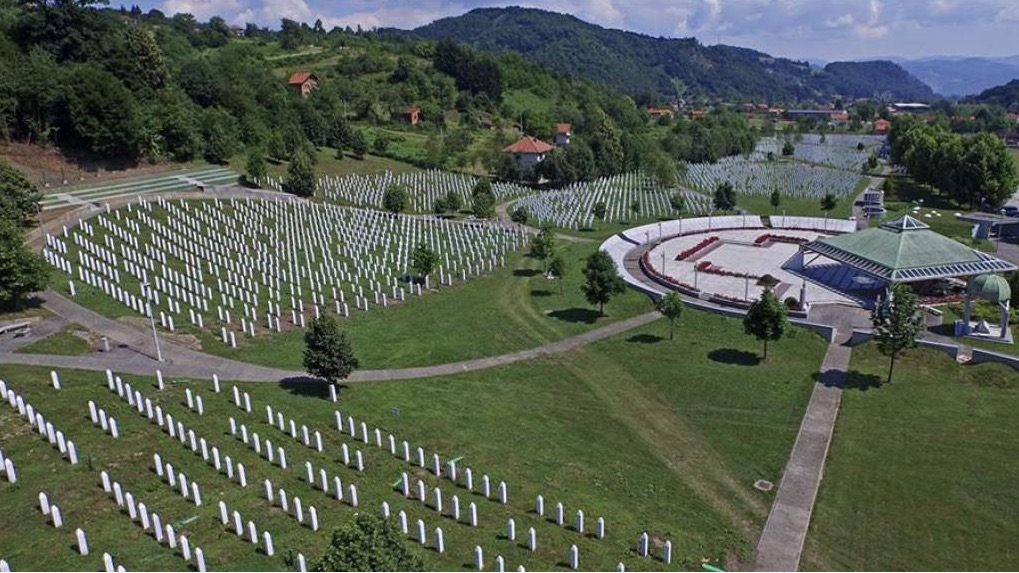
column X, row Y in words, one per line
column 788, row 149
column 395, row 198
column 256, row 167
column 368, row 543
column 599, row 210
column 897, row 324
column 766, row 319
column 829, row 202
column 19, row 197
column 520, row 215
column 678, row 202
column 635, row 208
column 776, row 200
column 358, row 143
column 725, row 197
column 328, row 353
column 300, row 175
column 601, row 280
column 22, row 272
column 483, row 206
column 671, row 307
column 423, row 261
column 543, row 245
column 452, row 202
column 558, row 268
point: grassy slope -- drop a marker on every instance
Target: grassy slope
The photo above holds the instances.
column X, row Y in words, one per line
column 676, row 448
column 921, row 475
column 63, row 342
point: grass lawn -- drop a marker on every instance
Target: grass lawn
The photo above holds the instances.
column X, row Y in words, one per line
column 329, row 165
column 670, row 449
column 907, row 193
column 761, row 205
column 921, row 474
column 64, row 342
column 510, row 309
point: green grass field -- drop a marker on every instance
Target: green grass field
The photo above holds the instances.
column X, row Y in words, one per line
column 329, row 165
column 921, row 473
column 671, row 449
column 64, row 342
column 907, row 194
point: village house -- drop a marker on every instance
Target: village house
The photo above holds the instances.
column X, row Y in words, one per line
column 563, row 132
column 303, row 82
column 659, row 112
column 411, row 114
column 528, row 151
column 882, row 126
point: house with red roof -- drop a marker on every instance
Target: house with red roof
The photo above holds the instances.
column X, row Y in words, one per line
column 528, row 151
column 303, row 82
column 882, row 126
column 411, row 114
column 563, row 132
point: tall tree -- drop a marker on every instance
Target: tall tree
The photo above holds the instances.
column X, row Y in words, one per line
column 601, row 280
column 22, row 272
column 678, row 202
column 776, row 200
column 423, row 261
column 256, row 168
column 300, row 179
column 368, row 543
column 19, row 197
column 766, row 319
column 543, row 245
column 671, row 307
column 328, row 353
column 897, row 323
column 829, row 202
column 559, row 268
column 599, row 210
column 725, row 197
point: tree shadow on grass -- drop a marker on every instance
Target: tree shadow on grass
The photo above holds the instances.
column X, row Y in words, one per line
column 585, row 315
column 541, row 292
column 733, row 356
column 645, row 338
column 526, row 272
column 307, row 387
column 852, row 380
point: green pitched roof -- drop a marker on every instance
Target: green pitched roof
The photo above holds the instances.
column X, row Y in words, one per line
column 905, row 249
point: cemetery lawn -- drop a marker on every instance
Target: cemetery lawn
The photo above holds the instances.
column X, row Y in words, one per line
column 761, row 205
column 653, row 435
column 510, row 309
column 921, row 473
column 64, row 342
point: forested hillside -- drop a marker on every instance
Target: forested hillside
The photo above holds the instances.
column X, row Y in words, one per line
column 635, row 63
column 146, row 87
column 1006, row 96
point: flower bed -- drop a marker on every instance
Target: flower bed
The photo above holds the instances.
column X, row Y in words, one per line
column 706, row 267
column 768, row 237
column 694, row 249
column 645, row 263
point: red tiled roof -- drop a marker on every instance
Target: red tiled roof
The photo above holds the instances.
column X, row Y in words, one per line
column 563, row 128
column 528, row 144
column 299, row 78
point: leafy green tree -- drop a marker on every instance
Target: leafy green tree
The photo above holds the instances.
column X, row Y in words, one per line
column 634, row 208
column 22, row 272
column 381, row 144
column 520, row 215
column 829, row 202
column 671, row 307
column 102, row 112
column 19, row 197
column 678, row 202
column 543, row 245
column 599, row 210
column 423, row 261
column 776, row 200
column 559, row 268
column 897, row 323
column 767, row 319
column 220, row 136
column 725, row 197
column 483, row 206
column 300, row 179
column 601, row 280
column 482, row 187
column 368, row 543
column 358, row 144
column 328, row 353
column 788, row 149
column 452, row 202
column 256, row 167
column 396, row 198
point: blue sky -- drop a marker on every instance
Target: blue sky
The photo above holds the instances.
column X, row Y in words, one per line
column 816, row 29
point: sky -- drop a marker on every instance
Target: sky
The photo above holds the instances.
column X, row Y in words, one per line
column 802, row 29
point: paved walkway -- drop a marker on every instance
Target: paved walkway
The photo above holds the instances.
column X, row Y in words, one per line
column 785, row 532
column 137, row 352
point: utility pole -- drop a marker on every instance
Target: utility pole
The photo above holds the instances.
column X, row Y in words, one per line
column 152, row 319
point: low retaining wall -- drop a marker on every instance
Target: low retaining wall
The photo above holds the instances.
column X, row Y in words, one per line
column 980, row 355
column 951, row 350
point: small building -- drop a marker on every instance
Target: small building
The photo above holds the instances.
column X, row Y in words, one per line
column 528, row 151
column 882, row 126
column 908, row 107
column 303, row 82
column 563, row 132
column 659, row 112
column 411, row 114
column 698, row 113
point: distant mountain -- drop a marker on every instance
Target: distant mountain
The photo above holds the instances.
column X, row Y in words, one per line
column 1006, row 96
column 635, row 63
column 963, row 76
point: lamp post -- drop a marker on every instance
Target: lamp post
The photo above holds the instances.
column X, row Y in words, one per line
column 152, row 319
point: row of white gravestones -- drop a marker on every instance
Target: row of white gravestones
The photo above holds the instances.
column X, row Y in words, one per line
column 458, row 240
column 421, row 494
column 276, row 455
column 37, row 422
column 178, row 481
column 194, row 402
column 560, row 517
column 309, row 439
column 644, row 547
